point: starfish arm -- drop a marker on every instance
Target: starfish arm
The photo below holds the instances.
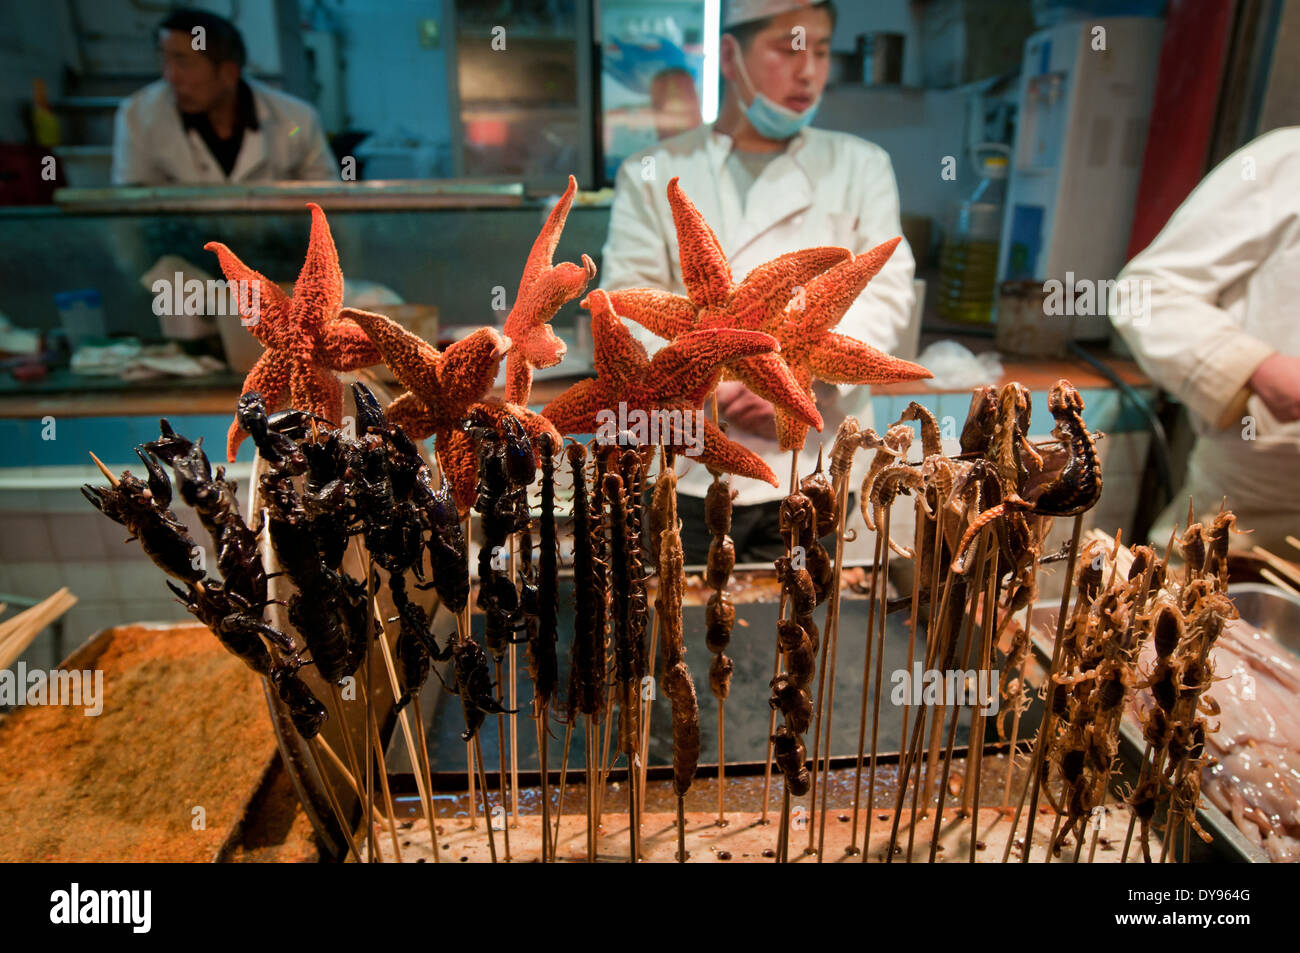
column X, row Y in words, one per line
column 408, row 412
column 616, row 354
column 705, row 271
column 791, row 433
column 318, row 292
column 727, row 456
column 459, row 463
column 468, row 369
column 270, row 378
column 343, row 346
column 413, row 361
column 659, row 312
column 519, row 378
column 839, row 359
column 768, row 376
column 543, row 250
column 574, row 411
column 316, row 390
column 829, row 295
column 687, row 368
column 264, row 315
column 763, row 295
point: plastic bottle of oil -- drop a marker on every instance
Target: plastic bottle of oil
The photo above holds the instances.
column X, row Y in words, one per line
column 969, row 260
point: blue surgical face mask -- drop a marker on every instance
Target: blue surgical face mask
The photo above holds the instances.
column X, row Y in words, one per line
column 772, row 120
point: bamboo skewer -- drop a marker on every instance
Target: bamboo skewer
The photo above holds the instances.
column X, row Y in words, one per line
column 883, row 545
column 501, row 762
column 425, row 799
column 966, row 628
column 559, row 804
column 483, row 789
column 312, row 749
column 1032, row 780
column 975, row 748
column 840, row 466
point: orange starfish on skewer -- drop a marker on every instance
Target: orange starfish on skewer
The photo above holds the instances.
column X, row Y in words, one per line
column 714, row 301
column 810, row 349
column 305, row 342
column 543, row 290
column 674, row 383
column 443, row 388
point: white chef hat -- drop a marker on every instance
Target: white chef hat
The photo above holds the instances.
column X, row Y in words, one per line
column 743, row 11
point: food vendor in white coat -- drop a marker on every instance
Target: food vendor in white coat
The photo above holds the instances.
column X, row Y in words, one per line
column 203, row 123
column 1219, row 332
column 768, row 184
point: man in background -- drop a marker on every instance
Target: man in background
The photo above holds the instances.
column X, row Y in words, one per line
column 768, row 184
column 204, row 123
column 1220, row 334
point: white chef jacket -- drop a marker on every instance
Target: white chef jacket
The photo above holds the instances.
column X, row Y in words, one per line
column 827, row 188
column 152, row 147
column 1224, row 280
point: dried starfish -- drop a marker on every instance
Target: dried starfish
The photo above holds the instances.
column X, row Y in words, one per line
column 543, row 290
column 677, row 380
column 305, row 342
column 442, row 389
column 811, row 350
column 715, row 302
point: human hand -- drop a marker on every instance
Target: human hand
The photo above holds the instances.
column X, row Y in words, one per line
column 745, row 410
column 1277, row 382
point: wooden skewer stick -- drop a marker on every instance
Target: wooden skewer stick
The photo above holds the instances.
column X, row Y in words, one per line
column 483, row 789
column 423, row 748
column 1279, row 565
column 1278, row 581
column 344, row 826
column 348, row 749
column 1042, row 738
column 108, row 474
column 975, row 747
column 866, row 678
column 543, row 736
column 939, row 638
column 776, row 664
column 722, row 764
column 513, row 718
column 829, row 653
column 1015, row 718
column 647, row 708
column 967, row 625
column 592, row 767
column 404, row 721
column 501, row 758
column 378, row 749
column 564, row 776
column 880, row 662
column 681, row 829
column 1293, row 541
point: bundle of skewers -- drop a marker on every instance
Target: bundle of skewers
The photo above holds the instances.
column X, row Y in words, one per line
column 347, row 510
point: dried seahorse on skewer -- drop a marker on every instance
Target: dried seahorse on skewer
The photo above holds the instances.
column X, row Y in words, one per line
column 677, row 681
column 1074, row 490
column 893, row 448
column 720, row 613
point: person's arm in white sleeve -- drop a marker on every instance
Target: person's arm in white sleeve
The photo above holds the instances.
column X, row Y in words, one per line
column 130, row 160
column 882, row 312
column 1180, row 335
